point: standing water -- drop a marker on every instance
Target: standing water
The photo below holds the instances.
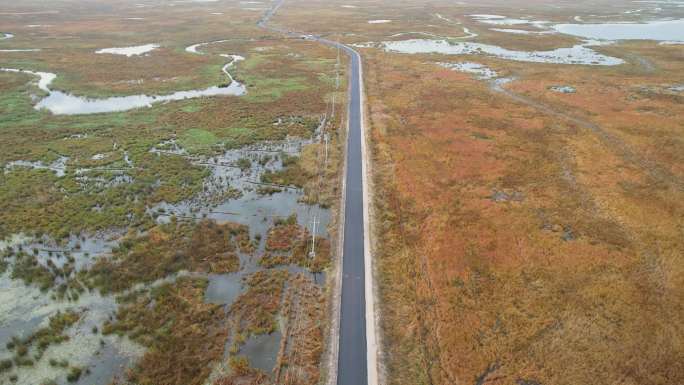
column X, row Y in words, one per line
column 664, row 30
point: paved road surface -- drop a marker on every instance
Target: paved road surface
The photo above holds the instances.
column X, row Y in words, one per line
column 352, row 369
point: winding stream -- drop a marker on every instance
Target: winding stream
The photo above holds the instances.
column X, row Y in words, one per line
column 7, row 36
column 193, row 48
column 62, row 103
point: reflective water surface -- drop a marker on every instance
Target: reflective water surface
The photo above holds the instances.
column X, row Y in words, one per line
column 483, row 72
column 665, row 30
column 578, row 54
column 129, row 51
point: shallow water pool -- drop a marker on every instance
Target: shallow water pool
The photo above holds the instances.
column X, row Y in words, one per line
column 664, row 30
column 578, row 54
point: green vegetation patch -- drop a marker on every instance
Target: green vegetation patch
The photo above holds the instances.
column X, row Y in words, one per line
column 264, row 89
column 291, row 174
column 30, row 271
column 196, row 140
column 60, row 206
column 63, row 278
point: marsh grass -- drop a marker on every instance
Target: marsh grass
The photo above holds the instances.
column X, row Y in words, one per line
column 254, row 312
column 289, row 243
column 166, row 249
column 172, row 319
column 30, row 349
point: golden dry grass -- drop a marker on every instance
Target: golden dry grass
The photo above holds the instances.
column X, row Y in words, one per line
column 574, row 275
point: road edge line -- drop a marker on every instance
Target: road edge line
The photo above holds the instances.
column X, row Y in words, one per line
column 371, row 336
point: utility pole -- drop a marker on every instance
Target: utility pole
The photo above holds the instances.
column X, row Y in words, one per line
column 314, row 222
column 337, row 80
column 337, row 66
column 332, row 115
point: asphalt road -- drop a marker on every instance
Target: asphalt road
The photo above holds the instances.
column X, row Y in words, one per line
column 352, row 368
column 352, row 363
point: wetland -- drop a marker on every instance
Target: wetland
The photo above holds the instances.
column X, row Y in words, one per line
column 161, row 201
